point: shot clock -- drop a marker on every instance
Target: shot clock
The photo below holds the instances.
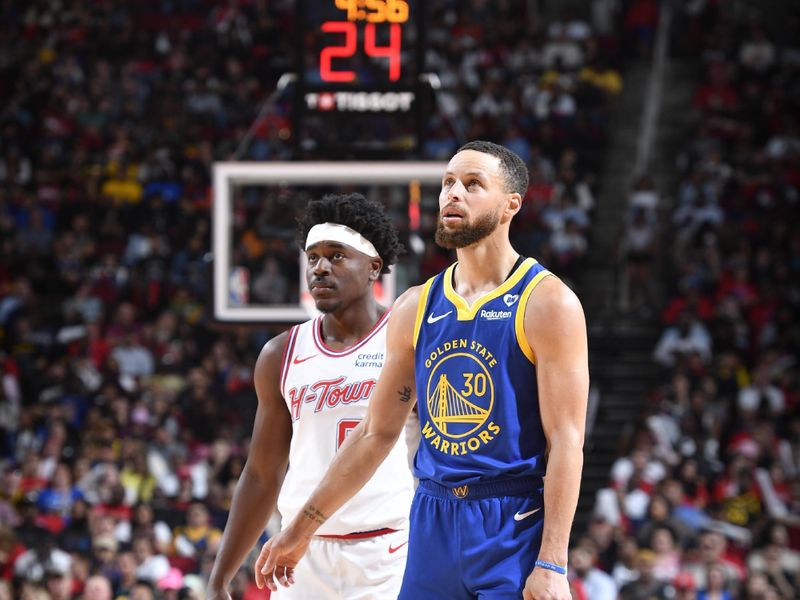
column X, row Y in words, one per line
column 358, row 65
column 391, row 14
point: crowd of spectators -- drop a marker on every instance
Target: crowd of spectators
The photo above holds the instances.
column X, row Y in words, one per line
column 124, row 409
column 704, row 501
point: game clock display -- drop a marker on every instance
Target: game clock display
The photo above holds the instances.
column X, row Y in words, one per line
column 359, row 63
column 374, row 13
column 361, row 42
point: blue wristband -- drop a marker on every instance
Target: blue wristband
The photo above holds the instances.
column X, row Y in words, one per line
column 550, row 567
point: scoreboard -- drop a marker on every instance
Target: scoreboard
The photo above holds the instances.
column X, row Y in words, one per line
column 359, row 93
column 374, row 30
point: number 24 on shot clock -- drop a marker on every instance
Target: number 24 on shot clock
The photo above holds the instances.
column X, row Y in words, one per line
column 366, row 24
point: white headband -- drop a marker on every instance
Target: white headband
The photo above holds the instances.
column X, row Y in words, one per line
column 333, row 232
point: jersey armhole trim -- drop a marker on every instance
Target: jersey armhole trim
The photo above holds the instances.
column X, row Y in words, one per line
column 288, row 351
column 421, row 304
column 519, row 317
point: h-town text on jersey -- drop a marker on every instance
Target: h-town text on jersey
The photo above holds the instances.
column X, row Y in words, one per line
column 329, row 393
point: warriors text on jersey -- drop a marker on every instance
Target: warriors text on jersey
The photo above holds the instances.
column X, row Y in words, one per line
column 327, row 392
column 476, row 382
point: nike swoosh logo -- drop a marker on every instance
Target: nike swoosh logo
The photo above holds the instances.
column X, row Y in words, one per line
column 432, row 319
column 297, row 360
column 396, row 548
column 519, row 516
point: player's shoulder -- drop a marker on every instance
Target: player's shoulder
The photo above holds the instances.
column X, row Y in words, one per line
column 403, row 319
column 554, row 316
column 553, row 299
column 406, row 304
column 272, row 353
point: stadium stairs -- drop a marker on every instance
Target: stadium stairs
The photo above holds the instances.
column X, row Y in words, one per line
column 621, row 345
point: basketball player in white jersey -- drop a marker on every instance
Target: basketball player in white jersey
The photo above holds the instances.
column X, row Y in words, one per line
column 313, row 384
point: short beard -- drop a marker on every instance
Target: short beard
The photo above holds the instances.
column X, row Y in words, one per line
column 467, row 235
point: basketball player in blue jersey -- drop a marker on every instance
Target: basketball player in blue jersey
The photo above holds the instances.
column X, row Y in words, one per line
column 494, row 349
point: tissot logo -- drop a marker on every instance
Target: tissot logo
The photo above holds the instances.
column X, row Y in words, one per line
column 360, row 101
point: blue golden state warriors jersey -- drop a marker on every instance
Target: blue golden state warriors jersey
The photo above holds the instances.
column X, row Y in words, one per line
column 476, row 382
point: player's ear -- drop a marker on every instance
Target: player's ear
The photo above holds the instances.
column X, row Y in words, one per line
column 513, row 204
column 376, row 264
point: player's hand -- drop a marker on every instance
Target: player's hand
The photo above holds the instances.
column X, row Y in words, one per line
column 543, row 584
column 278, row 559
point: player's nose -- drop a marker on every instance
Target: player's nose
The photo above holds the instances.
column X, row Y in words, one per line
column 322, row 266
column 456, row 191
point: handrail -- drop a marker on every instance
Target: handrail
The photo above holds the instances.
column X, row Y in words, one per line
column 652, row 103
column 591, row 411
column 269, row 102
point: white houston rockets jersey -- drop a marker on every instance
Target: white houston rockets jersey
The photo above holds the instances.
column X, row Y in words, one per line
column 326, row 392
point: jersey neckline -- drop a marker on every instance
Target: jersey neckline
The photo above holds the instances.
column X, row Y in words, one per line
column 463, row 309
column 319, row 342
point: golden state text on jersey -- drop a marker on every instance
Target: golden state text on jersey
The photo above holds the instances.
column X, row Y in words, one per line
column 476, row 382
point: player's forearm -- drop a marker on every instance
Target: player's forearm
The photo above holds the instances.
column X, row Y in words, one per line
column 253, row 502
column 561, row 488
column 354, row 465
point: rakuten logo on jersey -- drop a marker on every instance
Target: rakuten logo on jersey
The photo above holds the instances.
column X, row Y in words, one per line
column 495, row 315
column 329, row 394
column 360, row 101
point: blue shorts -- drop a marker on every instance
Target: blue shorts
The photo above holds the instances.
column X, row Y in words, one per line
column 478, row 542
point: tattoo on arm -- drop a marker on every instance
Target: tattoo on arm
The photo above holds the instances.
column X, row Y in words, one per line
column 405, row 394
column 312, row 513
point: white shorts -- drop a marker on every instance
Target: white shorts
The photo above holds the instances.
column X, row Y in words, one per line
column 360, row 569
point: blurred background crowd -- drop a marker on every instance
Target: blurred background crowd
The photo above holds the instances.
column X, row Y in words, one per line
column 125, row 410
column 704, row 500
